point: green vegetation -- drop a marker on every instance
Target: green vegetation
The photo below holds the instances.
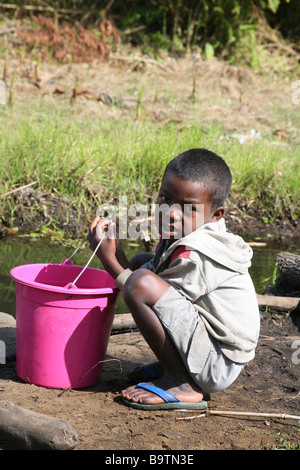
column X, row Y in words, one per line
column 217, row 26
column 85, row 160
column 101, row 160
column 285, row 444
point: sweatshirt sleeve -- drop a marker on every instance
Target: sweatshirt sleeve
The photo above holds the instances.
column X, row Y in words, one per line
column 122, row 278
column 185, row 275
column 149, row 265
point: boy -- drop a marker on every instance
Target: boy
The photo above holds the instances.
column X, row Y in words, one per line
column 194, row 301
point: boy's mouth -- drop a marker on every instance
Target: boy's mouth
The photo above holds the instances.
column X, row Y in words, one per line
column 171, row 231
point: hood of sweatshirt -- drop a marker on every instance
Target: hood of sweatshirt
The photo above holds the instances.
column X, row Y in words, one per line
column 215, row 242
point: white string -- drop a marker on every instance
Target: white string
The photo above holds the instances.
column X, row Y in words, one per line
column 100, row 241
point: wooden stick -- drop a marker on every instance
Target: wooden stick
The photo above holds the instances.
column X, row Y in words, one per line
column 280, row 303
column 139, row 59
column 29, row 430
column 279, row 338
column 249, row 413
column 123, row 321
column 18, row 189
column 7, row 30
column 88, row 371
column 244, row 413
column 12, row 6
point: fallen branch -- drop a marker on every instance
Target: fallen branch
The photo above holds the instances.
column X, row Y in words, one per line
column 12, row 6
column 127, row 32
column 279, row 303
column 34, row 431
column 243, row 413
column 18, row 189
column 140, row 59
column 123, row 322
column 88, row 371
column 279, row 338
column 7, row 31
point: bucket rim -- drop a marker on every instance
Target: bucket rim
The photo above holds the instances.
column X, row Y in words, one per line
column 64, row 290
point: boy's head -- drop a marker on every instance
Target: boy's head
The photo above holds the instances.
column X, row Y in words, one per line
column 195, row 181
column 207, row 168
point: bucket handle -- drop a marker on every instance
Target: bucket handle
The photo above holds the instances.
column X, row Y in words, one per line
column 74, row 252
column 92, row 256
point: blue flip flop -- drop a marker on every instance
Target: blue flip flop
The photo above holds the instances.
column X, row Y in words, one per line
column 148, row 374
column 170, row 401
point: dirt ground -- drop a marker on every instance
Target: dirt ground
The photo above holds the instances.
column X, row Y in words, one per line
column 269, row 384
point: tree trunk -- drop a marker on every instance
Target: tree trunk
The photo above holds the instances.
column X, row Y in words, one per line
column 26, row 429
column 289, row 269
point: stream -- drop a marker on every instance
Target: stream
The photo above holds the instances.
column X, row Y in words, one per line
column 18, row 251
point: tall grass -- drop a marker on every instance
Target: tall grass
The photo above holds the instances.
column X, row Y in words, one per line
column 96, row 161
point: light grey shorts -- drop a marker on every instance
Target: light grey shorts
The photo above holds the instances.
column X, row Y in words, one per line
column 205, row 362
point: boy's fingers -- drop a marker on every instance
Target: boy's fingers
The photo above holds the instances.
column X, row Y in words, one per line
column 101, row 226
column 94, row 223
column 96, row 229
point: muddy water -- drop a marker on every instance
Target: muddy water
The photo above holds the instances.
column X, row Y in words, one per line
column 15, row 252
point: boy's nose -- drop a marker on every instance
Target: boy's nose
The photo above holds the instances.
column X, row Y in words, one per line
column 175, row 212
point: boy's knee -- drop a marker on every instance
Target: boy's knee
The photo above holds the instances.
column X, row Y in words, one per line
column 137, row 284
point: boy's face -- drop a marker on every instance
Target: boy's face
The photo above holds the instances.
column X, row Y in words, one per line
column 183, row 207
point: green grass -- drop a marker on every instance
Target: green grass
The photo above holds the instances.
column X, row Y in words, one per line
column 283, row 443
column 93, row 161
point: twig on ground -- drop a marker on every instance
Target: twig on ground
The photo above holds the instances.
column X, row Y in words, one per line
column 88, row 371
column 139, row 59
column 18, row 189
column 243, row 413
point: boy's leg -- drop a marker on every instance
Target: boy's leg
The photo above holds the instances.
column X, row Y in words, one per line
column 142, row 290
column 138, row 374
column 138, row 260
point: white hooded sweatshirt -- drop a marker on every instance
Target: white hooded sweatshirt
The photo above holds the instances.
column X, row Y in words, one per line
column 210, row 268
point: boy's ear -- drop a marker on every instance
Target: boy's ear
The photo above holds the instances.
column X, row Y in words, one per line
column 217, row 214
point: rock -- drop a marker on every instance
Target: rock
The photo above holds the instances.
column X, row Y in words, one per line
column 8, row 338
column 7, row 320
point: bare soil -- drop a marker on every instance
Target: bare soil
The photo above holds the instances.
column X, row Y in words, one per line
column 269, row 384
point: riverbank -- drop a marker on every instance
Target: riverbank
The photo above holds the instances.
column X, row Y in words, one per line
column 62, row 155
column 61, row 223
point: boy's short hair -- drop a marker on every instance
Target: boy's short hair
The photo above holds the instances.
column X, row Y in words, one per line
column 206, row 167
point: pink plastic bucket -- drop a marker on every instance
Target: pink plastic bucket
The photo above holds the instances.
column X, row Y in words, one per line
column 62, row 333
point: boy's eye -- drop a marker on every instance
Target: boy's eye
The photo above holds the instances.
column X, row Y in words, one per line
column 188, row 208
column 164, row 198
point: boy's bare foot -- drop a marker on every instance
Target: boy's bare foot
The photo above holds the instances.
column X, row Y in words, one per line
column 185, row 392
column 147, row 372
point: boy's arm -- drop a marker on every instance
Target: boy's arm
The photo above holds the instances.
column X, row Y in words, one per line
column 110, row 252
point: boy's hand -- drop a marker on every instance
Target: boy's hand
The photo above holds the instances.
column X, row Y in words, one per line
column 110, row 251
column 108, row 245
